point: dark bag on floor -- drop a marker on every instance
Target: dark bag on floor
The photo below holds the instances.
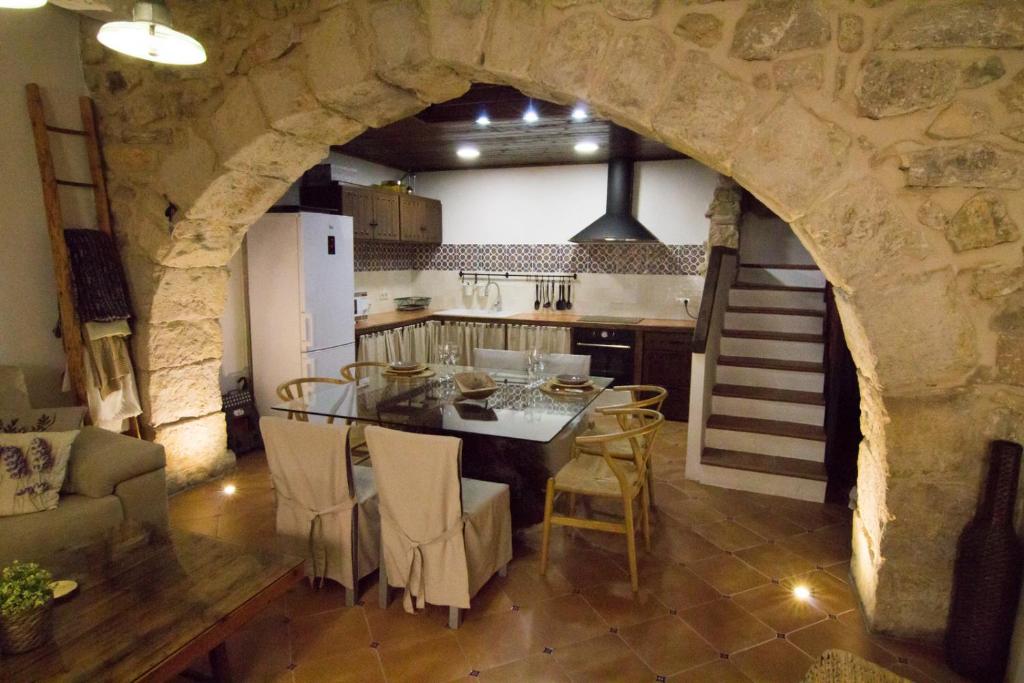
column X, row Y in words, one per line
column 242, row 418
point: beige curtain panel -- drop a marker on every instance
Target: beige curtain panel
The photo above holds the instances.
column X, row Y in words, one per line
column 546, row 338
column 471, row 336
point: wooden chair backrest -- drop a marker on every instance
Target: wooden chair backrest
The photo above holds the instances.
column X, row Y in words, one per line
column 297, row 388
column 349, row 373
column 640, row 428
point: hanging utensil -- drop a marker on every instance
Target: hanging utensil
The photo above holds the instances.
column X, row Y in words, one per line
column 560, row 304
column 568, row 297
column 536, row 295
column 547, row 296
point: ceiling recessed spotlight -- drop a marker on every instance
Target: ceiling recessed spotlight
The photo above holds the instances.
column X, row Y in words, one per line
column 801, row 592
column 21, row 4
column 229, row 489
column 531, row 115
column 467, row 152
column 483, row 120
column 580, row 114
column 586, row 147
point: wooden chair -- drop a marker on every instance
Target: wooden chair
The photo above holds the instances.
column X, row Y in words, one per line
column 298, row 388
column 499, row 359
column 350, row 373
column 607, row 476
column 640, row 396
column 567, row 364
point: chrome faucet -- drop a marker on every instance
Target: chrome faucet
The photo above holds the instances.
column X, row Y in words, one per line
column 497, row 304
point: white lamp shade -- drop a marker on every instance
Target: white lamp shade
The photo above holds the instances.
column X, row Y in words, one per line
column 151, row 41
column 21, row 4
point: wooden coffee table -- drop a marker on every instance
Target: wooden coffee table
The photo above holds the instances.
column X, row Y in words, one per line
column 149, row 602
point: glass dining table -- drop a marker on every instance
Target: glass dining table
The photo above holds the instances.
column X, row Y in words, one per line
column 518, row 410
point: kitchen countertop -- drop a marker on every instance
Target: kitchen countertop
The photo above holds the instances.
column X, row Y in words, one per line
column 392, row 319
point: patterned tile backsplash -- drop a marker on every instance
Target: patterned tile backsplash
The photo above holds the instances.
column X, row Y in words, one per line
column 639, row 259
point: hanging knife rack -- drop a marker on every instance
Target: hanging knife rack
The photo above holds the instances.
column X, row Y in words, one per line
column 533, row 277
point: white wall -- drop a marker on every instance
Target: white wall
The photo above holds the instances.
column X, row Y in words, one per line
column 37, row 46
column 550, row 204
column 234, row 324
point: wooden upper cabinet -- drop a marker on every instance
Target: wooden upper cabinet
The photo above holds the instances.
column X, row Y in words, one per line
column 385, row 223
column 357, row 203
column 420, row 219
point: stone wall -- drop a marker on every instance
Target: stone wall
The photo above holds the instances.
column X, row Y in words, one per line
column 889, row 133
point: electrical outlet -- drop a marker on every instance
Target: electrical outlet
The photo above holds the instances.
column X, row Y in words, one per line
column 384, row 295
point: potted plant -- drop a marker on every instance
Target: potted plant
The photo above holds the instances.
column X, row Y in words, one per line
column 26, row 607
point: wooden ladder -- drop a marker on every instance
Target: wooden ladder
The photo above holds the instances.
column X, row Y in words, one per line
column 70, row 325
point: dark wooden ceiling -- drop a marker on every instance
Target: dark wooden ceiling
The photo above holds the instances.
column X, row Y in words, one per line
column 427, row 141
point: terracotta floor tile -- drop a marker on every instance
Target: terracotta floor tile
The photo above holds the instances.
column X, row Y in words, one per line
column 589, row 568
column 605, row 658
column 395, row 627
column 668, row 645
column 619, row 606
column 262, row 650
column 673, row 541
column 769, row 525
column 355, row 665
column 304, row 600
column 776, row 606
column 542, row 668
column 830, row 634
column 729, row 535
column 495, row 640
column 774, row 661
column 828, row 593
column 562, row 621
column 319, row 635
column 206, row 526
column 820, row 551
column 772, row 559
column 840, row 534
column 491, row 599
column 676, row 586
column 728, row 574
column 691, row 512
column 525, row 586
column 720, row 671
column 726, row 626
column 439, row 659
column 812, row 516
column 839, row 571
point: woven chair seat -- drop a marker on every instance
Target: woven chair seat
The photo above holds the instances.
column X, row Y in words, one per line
column 590, row 475
column 839, row 666
column 618, row 449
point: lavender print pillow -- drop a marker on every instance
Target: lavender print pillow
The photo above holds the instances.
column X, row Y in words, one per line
column 32, row 470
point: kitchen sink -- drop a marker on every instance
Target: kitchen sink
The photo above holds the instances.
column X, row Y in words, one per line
column 476, row 313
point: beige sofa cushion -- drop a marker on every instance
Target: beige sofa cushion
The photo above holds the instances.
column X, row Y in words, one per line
column 62, row 419
column 100, row 460
column 32, row 469
column 75, row 522
column 13, row 390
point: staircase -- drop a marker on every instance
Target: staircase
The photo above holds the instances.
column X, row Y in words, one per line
column 766, row 428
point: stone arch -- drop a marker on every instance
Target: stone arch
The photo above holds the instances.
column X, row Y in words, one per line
column 816, row 111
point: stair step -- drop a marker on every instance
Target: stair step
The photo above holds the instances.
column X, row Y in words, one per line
column 765, row 310
column 780, row 266
column 777, row 287
column 775, row 336
column 771, row 364
column 767, row 394
column 766, row 464
column 792, row 430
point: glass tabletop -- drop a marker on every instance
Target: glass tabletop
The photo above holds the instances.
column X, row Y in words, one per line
column 519, row 409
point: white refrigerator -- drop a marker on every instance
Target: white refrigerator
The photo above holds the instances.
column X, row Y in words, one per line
column 301, row 287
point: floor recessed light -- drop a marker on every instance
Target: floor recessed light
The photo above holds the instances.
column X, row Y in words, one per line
column 467, row 152
column 483, row 120
column 531, row 115
column 229, row 489
column 579, row 114
column 586, row 147
column 801, row 592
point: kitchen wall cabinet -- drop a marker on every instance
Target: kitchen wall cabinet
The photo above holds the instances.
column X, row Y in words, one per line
column 665, row 362
column 420, row 219
column 386, row 216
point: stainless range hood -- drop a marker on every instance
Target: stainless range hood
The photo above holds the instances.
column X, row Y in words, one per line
column 617, row 224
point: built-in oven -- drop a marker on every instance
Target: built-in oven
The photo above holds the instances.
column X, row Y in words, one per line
column 611, row 351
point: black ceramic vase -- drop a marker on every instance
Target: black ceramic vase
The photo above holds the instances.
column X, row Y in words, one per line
column 987, row 575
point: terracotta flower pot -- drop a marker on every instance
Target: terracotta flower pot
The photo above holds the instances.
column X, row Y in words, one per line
column 27, row 630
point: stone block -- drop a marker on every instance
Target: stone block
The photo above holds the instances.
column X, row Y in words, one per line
column 171, row 394
column 973, row 164
column 962, row 119
column 891, row 86
column 993, row 281
column 162, row 294
column 982, row 72
column 850, row 32
column 700, row 28
column 1009, row 324
column 168, row 345
column 981, row 222
column 458, row 29
column 702, row 112
column 402, row 46
column 994, row 24
column 799, row 73
column 291, row 108
column 930, row 213
column 1015, row 133
column 339, row 67
column 572, row 52
column 860, row 236
column 632, row 76
column 213, row 247
column 769, row 28
column 237, row 198
column 1012, row 94
column 516, row 29
column 197, row 450
column 805, row 154
column 631, row 10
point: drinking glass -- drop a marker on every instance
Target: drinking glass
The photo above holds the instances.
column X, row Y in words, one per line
column 535, row 361
column 449, row 357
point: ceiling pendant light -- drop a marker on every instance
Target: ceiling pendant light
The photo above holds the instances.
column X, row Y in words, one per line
column 149, row 36
column 21, row 4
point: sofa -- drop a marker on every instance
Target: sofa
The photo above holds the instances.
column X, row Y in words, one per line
column 110, row 478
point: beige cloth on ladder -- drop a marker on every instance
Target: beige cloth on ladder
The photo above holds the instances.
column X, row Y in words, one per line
column 425, row 504
column 324, row 505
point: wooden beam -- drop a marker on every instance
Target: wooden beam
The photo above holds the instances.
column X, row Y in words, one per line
column 71, row 335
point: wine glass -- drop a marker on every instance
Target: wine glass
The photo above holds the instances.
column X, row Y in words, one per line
column 535, row 362
column 449, row 353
